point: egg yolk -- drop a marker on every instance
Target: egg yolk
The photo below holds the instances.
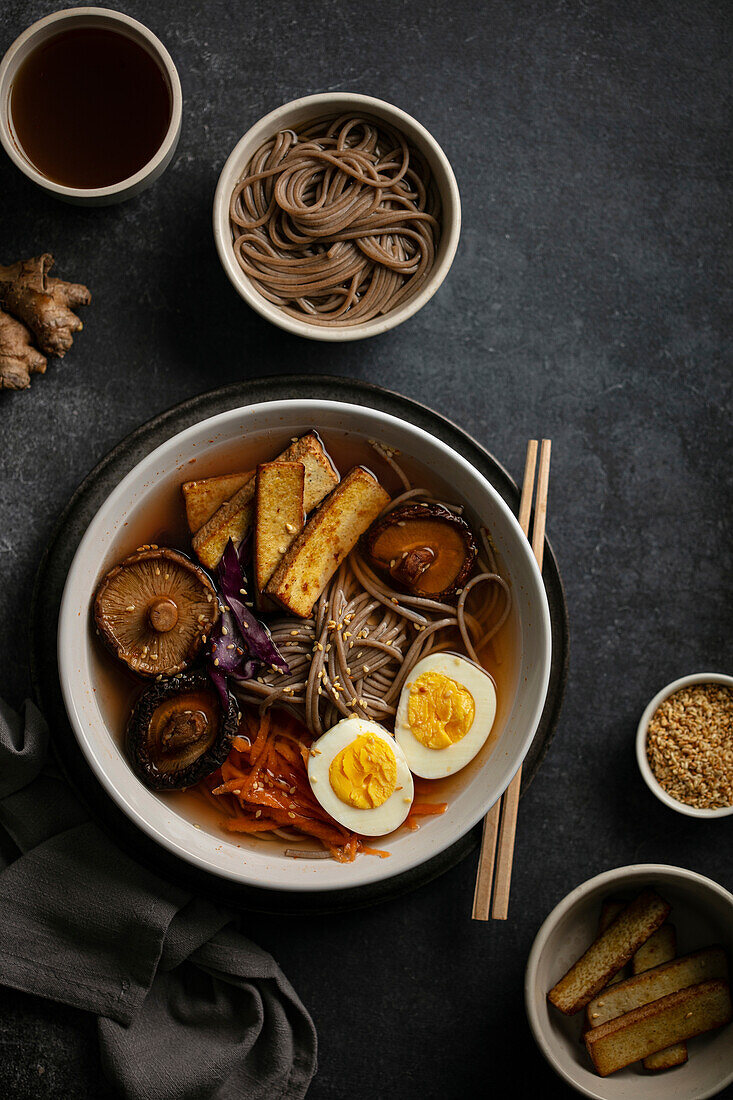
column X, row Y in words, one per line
column 440, row 711
column 364, row 774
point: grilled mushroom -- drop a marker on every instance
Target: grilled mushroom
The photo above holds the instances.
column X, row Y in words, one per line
column 424, row 548
column 178, row 733
column 154, row 611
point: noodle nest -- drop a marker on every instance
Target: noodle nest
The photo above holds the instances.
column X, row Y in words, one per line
column 338, row 223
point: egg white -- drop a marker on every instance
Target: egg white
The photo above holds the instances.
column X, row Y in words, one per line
column 380, row 820
column 438, row 763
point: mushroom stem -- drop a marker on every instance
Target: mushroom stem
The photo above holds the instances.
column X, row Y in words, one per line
column 162, row 614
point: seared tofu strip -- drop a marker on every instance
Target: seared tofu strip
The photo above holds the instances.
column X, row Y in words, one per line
column 279, row 516
column 656, row 1026
column 203, row 498
column 609, row 911
column 652, row 984
column 234, row 519
column 609, row 952
column 325, row 541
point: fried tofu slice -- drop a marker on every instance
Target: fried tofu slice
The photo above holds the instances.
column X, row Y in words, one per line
column 660, row 948
column 279, row 517
column 203, row 498
column 325, row 541
column 656, row 1026
column 650, row 985
column 234, row 519
column 609, row 952
column 609, row 911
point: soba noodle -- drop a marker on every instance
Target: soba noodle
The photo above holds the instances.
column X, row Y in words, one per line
column 338, row 223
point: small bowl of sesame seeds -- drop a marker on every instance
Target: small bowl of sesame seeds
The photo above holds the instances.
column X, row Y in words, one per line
column 684, row 745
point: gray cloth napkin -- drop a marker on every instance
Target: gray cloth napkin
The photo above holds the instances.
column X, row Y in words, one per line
column 188, row 1008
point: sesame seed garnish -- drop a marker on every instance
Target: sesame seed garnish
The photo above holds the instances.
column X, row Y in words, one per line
column 293, row 633
column 130, row 607
column 224, row 630
column 258, row 813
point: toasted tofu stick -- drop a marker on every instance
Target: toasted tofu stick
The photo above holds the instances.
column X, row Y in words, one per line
column 203, row 498
column 609, row 911
column 325, row 541
column 234, row 519
column 279, row 516
column 609, row 952
column 672, row 1019
column 666, row 978
column 660, row 948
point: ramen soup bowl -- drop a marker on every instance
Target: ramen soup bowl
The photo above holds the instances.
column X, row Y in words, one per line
column 299, row 113
column 147, row 507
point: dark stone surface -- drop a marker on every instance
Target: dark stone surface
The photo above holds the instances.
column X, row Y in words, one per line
column 586, row 303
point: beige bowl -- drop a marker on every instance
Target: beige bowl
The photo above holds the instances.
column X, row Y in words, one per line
column 641, row 758
column 50, row 26
column 702, row 912
column 294, row 114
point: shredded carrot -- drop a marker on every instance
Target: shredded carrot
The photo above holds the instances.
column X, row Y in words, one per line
column 263, row 785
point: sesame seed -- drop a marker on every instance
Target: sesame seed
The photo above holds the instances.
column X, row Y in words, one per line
column 231, row 645
column 130, row 607
column 293, row 633
column 224, row 630
column 258, row 813
column 290, row 813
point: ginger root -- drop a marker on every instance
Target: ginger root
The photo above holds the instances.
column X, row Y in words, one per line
column 31, row 300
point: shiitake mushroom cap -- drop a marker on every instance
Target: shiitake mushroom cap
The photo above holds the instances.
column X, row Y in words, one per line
column 178, row 733
column 154, row 609
column 424, row 549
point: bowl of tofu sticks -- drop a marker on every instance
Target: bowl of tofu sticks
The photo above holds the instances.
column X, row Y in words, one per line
column 627, row 985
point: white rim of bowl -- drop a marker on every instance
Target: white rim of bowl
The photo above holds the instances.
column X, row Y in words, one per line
column 58, row 20
column 641, row 734
column 222, row 233
column 68, row 614
column 605, row 879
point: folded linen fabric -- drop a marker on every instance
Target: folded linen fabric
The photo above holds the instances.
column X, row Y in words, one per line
column 189, row 1009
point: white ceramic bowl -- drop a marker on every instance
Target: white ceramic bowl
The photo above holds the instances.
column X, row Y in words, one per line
column 107, row 539
column 107, row 19
column 292, row 115
column 702, row 912
column 644, row 767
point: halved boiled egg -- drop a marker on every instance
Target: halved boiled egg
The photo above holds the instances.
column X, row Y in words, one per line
column 359, row 774
column 446, row 711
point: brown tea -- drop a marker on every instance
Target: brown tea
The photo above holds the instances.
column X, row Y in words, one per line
column 90, row 107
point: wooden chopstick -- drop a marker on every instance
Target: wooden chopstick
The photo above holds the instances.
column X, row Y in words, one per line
column 490, row 834
column 501, row 820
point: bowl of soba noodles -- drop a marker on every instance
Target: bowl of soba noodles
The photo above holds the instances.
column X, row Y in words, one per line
column 304, row 645
column 337, row 216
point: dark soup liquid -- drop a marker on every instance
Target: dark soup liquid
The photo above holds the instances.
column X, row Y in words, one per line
column 90, row 107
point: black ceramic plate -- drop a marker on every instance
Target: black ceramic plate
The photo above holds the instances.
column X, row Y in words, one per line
column 50, row 582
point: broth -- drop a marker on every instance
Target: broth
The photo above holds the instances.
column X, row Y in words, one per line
column 162, row 520
column 90, row 107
